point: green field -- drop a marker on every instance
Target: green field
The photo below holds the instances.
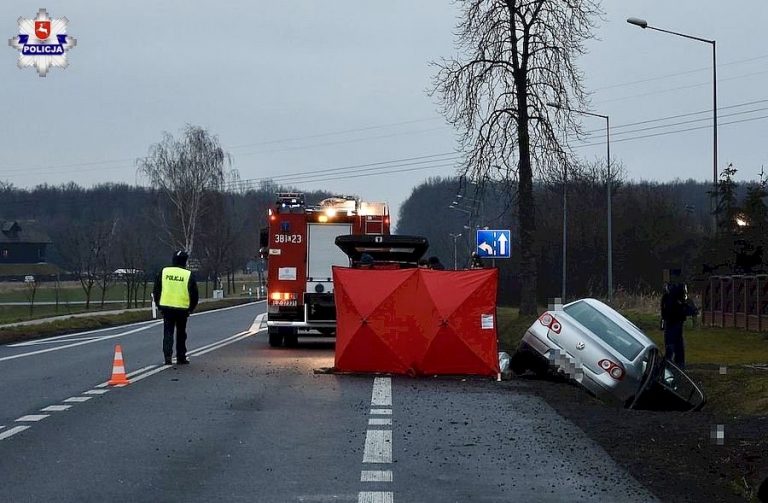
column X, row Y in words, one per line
column 72, row 324
column 71, row 291
column 741, row 390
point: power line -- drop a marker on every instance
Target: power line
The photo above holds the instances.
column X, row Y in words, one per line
column 408, row 161
column 677, row 74
column 281, row 140
column 672, row 89
column 678, row 116
column 332, row 133
column 673, row 132
column 692, row 121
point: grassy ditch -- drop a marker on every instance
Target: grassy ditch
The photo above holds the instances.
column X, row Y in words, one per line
column 742, row 390
column 77, row 324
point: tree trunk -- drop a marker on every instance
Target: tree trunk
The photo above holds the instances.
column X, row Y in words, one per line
column 526, row 208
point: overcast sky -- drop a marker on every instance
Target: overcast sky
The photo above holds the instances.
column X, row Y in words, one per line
column 303, row 86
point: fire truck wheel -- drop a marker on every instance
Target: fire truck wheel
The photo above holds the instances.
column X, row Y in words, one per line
column 292, row 339
column 275, row 337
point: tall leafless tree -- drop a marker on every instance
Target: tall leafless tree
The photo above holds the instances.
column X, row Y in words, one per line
column 184, row 169
column 515, row 57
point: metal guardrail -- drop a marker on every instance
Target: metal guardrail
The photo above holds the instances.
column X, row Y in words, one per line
column 739, row 301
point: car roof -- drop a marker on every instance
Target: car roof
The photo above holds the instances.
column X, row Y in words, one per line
column 620, row 320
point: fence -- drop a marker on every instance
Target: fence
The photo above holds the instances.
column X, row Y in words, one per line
column 736, row 301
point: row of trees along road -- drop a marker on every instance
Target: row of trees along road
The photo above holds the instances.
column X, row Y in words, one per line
column 194, row 203
column 657, row 226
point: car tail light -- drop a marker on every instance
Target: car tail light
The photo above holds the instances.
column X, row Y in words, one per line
column 550, row 322
column 614, row 369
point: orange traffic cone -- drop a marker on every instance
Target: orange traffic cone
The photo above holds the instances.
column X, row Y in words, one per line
column 118, row 369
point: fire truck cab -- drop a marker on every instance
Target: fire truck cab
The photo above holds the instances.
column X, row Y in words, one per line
column 300, row 250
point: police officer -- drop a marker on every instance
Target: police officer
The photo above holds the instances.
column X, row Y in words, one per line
column 176, row 295
column 674, row 309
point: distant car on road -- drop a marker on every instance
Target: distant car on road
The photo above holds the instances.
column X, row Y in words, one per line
column 607, row 354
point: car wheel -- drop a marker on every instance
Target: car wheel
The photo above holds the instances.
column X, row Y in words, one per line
column 519, row 363
column 275, row 337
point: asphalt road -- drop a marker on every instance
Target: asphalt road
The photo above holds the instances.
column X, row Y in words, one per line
column 245, row 422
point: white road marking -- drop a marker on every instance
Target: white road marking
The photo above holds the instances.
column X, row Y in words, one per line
column 239, row 337
column 66, row 346
column 12, row 431
column 77, row 399
column 380, row 421
column 48, row 341
column 56, row 408
column 195, row 351
column 376, row 476
column 151, row 372
column 149, row 324
column 96, row 391
column 32, row 418
column 375, row 497
column 129, row 375
column 384, row 412
column 378, row 446
column 382, row 392
column 256, row 325
column 79, row 334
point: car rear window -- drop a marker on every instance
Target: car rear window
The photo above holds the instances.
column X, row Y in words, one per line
column 605, row 328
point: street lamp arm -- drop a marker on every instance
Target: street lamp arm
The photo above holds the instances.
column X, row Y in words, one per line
column 583, row 112
column 708, row 41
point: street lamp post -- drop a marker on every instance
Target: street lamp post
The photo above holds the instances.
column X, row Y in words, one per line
column 455, row 237
column 608, row 190
column 642, row 23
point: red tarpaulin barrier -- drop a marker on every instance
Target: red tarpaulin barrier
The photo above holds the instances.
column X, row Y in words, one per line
column 416, row 321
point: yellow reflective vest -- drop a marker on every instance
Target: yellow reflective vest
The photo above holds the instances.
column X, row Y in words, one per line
column 175, row 288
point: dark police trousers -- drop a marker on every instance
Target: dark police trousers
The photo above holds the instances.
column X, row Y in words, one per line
column 175, row 319
column 673, row 340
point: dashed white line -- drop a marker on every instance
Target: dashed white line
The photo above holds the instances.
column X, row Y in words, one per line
column 77, row 399
column 381, row 412
column 375, row 497
column 96, row 391
column 380, row 421
column 56, row 408
column 378, row 446
column 226, row 342
column 376, row 476
column 12, row 431
column 382, row 392
column 129, row 375
column 138, row 378
column 32, row 418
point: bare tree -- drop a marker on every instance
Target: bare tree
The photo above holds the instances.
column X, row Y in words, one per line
column 83, row 248
column 184, row 169
column 30, row 291
column 517, row 55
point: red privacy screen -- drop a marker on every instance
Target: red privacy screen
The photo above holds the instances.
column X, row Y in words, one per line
column 416, row 321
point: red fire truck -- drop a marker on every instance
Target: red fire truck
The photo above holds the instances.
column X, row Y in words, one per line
column 300, row 251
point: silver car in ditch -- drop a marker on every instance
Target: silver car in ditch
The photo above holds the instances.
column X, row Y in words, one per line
column 607, row 354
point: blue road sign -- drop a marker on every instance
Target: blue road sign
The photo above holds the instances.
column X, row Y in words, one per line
column 493, row 243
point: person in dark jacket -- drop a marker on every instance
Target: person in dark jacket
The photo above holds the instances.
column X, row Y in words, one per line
column 176, row 295
column 434, row 263
column 674, row 309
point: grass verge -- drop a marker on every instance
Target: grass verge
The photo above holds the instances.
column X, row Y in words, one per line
column 77, row 324
column 742, row 390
